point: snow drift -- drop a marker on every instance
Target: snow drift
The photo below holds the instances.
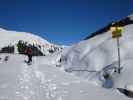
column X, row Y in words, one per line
column 94, row 56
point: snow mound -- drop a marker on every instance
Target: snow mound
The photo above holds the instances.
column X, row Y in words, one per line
column 91, row 58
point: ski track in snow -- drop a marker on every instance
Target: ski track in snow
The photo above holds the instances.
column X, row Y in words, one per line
column 26, row 89
column 33, row 85
column 20, row 81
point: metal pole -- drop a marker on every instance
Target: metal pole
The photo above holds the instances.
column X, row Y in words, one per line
column 119, row 62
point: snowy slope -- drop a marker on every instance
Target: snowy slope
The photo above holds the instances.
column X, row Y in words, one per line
column 41, row 81
column 12, row 38
column 99, row 52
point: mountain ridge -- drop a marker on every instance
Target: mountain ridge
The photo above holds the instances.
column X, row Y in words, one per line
column 123, row 22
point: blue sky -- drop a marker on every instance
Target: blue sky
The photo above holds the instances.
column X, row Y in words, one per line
column 61, row 21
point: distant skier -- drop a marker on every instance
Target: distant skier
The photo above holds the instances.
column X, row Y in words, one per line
column 28, row 52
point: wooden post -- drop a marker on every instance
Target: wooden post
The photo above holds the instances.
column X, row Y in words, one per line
column 116, row 33
column 119, row 60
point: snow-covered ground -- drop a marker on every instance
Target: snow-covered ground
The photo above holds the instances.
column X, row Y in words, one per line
column 41, row 81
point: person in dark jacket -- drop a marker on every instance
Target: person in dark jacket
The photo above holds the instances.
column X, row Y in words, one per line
column 28, row 52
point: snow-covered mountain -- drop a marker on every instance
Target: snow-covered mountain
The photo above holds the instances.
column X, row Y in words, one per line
column 11, row 38
column 97, row 55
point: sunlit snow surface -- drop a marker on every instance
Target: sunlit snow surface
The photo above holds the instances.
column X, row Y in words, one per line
column 43, row 81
